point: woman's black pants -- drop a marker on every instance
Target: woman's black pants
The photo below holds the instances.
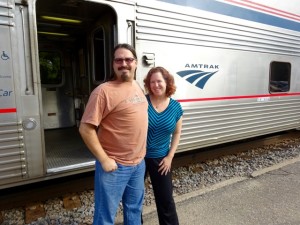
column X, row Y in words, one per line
column 163, row 193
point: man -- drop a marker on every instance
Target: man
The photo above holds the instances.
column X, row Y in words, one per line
column 114, row 128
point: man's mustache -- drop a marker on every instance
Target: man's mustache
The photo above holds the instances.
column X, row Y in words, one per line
column 124, row 67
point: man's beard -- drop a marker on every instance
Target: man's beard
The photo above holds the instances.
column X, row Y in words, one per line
column 125, row 77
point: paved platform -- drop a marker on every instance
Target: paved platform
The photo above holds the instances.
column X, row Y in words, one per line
column 269, row 197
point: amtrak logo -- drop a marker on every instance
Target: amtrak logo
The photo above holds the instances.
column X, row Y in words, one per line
column 196, row 77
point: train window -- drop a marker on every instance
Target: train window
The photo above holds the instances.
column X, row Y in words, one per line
column 50, row 68
column 280, row 74
column 99, row 56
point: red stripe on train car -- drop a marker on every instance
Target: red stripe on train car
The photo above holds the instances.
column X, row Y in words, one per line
column 237, row 97
column 9, row 110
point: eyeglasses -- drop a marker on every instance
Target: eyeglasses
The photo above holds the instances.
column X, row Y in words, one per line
column 120, row 60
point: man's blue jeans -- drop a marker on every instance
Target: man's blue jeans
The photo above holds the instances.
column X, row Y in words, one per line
column 126, row 184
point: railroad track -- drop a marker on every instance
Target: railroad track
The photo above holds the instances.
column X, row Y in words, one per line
column 42, row 191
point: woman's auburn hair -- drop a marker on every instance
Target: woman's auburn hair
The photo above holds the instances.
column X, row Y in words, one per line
column 169, row 79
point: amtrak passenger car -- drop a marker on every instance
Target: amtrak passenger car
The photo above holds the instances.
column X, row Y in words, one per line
column 236, row 65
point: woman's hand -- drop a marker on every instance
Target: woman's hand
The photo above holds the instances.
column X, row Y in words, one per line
column 165, row 165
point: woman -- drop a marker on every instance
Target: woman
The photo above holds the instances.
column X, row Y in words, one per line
column 164, row 129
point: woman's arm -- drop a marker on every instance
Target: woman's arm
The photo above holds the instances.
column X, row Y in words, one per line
column 165, row 164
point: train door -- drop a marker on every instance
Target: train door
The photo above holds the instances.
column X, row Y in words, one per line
column 74, row 39
column 57, row 88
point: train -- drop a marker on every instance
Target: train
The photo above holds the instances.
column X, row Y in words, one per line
column 236, row 65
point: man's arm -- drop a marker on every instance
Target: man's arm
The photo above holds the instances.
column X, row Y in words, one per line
column 90, row 138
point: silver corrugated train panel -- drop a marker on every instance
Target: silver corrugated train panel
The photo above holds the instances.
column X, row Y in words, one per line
column 12, row 155
column 211, row 30
column 220, row 123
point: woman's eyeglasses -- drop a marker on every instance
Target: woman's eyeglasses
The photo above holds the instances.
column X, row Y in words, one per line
column 120, row 60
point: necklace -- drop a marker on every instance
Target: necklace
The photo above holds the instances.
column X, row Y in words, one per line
column 157, row 106
column 160, row 104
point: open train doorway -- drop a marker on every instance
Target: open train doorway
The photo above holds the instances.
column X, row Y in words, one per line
column 71, row 36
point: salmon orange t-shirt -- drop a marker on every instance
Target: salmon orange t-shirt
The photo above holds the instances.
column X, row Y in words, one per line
column 119, row 110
